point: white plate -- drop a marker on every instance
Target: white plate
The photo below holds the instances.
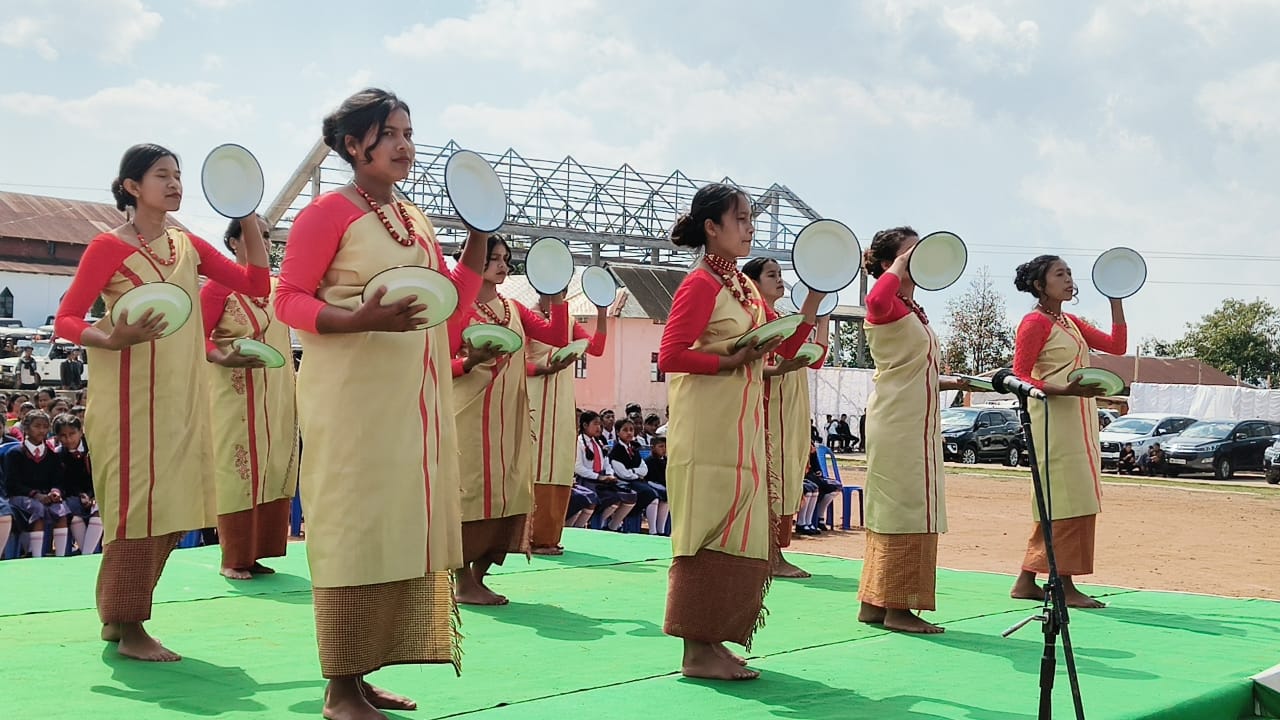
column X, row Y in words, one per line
column 574, row 349
column 432, row 289
column 938, row 261
column 826, row 255
column 1119, row 272
column 599, row 286
column 475, row 191
column 800, row 291
column 232, row 181
column 549, row 266
column 166, row 299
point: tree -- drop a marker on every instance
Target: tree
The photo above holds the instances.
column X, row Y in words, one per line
column 1240, row 338
column 979, row 338
column 848, row 335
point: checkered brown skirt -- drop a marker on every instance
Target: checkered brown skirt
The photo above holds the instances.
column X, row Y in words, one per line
column 899, row 572
column 251, row 535
column 128, row 575
column 1073, row 546
column 715, row 597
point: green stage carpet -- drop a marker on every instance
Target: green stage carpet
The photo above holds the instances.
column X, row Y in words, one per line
column 583, row 638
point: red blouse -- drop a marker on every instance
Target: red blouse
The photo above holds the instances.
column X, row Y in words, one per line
column 549, row 332
column 791, row 345
column 107, row 252
column 883, row 304
column 1033, row 333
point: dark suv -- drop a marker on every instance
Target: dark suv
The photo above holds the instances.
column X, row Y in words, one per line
column 975, row 434
column 1220, row 446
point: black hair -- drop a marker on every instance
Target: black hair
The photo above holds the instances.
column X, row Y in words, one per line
column 77, row 409
column 1033, row 271
column 586, row 418
column 634, row 406
column 608, row 411
column 356, row 116
column 136, row 162
column 235, row 230
column 754, row 268
column 885, row 246
column 623, row 423
column 658, row 440
column 30, row 419
column 64, row 420
column 652, row 418
column 50, row 392
column 711, row 202
column 494, row 241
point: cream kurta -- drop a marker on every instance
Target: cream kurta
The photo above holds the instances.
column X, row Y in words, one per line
column 551, row 402
column 904, row 430
column 380, row 489
column 1073, row 472
column 147, row 415
column 716, row 474
column 255, row 422
column 787, row 412
column 494, row 425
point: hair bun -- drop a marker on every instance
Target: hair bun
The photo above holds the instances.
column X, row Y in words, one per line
column 122, row 196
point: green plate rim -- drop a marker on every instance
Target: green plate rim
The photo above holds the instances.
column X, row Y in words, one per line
column 240, row 341
column 1105, row 387
column 492, row 327
column 742, row 341
column 173, row 328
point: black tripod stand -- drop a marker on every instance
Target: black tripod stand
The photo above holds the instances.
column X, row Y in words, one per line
column 1053, row 615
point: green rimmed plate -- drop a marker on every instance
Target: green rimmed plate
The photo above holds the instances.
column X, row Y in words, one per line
column 431, row 288
column 165, row 299
column 1110, row 382
column 810, row 352
column 500, row 338
column 978, row 383
column 574, row 350
column 780, row 328
column 260, row 350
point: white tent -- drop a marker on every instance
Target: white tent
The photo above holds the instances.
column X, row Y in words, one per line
column 835, row 391
column 1206, row 401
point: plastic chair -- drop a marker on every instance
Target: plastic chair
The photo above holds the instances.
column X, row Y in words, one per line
column 295, row 516
column 831, row 471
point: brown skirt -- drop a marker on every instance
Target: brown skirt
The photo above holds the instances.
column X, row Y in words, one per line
column 490, row 540
column 362, row 628
column 899, row 572
column 1073, row 542
column 250, row 535
column 714, row 597
column 782, row 536
column 550, row 504
column 128, row 575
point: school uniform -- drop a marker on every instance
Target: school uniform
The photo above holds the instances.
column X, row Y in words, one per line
column 591, row 465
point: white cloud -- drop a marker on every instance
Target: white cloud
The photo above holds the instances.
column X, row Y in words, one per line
column 989, row 41
column 50, row 27
column 176, row 105
column 211, row 61
column 1246, row 104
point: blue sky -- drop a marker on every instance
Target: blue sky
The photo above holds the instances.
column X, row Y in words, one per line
column 1025, row 127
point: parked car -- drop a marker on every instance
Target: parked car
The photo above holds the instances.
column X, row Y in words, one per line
column 1107, row 416
column 1220, row 446
column 973, row 434
column 1271, row 462
column 48, row 356
column 1141, row 430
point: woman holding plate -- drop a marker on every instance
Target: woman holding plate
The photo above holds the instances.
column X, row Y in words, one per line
column 786, row 398
column 717, row 490
column 381, row 498
column 551, row 398
column 493, row 411
column 905, row 509
column 1049, row 346
column 150, row 435
column 255, row 421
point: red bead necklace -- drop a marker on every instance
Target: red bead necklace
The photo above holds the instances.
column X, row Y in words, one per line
column 733, row 279
column 1057, row 317
column 493, row 316
column 146, row 247
column 386, row 222
column 915, row 308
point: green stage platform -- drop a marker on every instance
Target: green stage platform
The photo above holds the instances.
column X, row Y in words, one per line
column 582, row 638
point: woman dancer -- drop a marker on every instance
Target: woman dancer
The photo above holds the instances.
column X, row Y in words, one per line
column 493, row 409
column 717, row 489
column 1051, row 344
column 905, row 507
column 382, row 499
column 552, row 404
column 150, row 434
column 255, row 422
column 786, row 398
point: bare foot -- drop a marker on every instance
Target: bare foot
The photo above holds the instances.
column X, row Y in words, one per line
column 1026, row 588
column 260, row 569
column 236, row 574
column 469, row 592
column 385, row 700
column 343, row 701
column 728, row 654
column 784, row 569
column 547, row 551
column 1077, row 599
column 702, row 660
column 871, row 614
column 908, row 622
column 111, row 632
column 137, row 644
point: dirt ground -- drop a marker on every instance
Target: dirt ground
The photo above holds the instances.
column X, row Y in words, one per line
column 1214, row 541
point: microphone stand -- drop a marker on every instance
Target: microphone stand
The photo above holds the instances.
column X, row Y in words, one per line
column 1053, row 614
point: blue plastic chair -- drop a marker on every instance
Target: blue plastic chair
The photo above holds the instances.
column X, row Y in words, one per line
column 831, row 471
column 295, row 516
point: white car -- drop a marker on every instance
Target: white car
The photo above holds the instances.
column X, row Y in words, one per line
column 48, row 356
column 1140, row 429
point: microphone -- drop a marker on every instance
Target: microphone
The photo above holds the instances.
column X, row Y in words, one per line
column 1004, row 381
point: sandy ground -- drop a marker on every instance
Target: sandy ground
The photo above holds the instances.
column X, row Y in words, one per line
column 1215, row 541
